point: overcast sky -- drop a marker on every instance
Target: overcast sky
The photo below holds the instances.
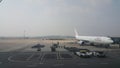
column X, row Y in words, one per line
column 59, row 17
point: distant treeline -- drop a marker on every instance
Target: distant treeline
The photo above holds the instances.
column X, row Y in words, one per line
column 115, row 39
column 41, row 37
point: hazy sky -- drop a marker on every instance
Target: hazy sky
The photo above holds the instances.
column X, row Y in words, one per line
column 59, row 17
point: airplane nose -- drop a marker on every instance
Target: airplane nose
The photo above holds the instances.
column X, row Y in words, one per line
column 111, row 41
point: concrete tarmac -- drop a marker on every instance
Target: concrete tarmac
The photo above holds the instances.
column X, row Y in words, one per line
column 17, row 53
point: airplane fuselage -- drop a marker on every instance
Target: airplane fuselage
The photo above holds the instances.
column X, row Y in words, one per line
column 95, row 39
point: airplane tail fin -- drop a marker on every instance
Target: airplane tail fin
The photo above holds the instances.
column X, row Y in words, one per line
column 76, row 33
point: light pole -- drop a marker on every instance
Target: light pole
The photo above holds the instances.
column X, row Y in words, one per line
column 24, row 34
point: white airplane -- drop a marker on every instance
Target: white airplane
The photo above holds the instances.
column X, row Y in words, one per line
column 93, row 40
